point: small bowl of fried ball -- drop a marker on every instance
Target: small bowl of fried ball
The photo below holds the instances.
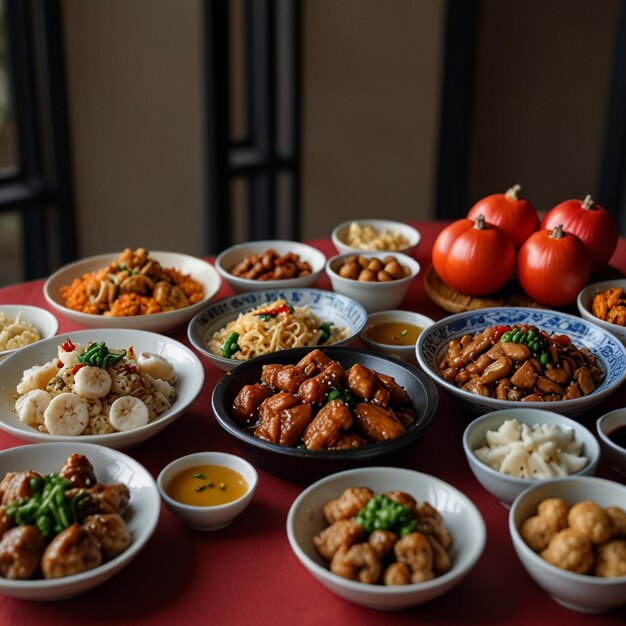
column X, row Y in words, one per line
column 570, row 535
column 385, row 537
column 376, row 280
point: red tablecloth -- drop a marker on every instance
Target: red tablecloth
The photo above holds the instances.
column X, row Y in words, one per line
column 247, row 573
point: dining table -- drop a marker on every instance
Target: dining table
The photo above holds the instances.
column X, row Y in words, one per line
column 247, row 574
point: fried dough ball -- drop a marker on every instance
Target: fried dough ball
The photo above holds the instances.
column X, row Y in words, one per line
column 415, row 551
column 343, row 533
column 555, row 510
column 348, row 504
column 397, row 574
column 537, row 531
column 591, row 520
column 611, row 559
column 570, row 550
column 618, row 517
column 359, row 562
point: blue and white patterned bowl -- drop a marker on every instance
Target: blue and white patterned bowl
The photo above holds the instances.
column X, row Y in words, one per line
column 330, row 307
column 434, row 341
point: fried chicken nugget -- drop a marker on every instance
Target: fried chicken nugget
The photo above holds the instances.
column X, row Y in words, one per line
column 591, row 520
column 555, row 510
column 348, row 504
column 618, row 517
column 570, row 550
column 537, row 531
column 611, row 559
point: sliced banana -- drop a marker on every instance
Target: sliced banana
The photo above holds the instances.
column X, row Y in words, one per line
column 31, row 408
column 156, row 366
column 37, row 377
column 66, row 415
column 92, row 382
column 128, row 413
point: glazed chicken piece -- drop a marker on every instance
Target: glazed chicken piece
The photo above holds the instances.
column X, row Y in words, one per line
column 246, row 404
column 313, row 363
column 347, row 441
column 348, row 504
column 72, row 551
column 20, row 552
column 365, row 385
column 406, row 416
column 399, row 396
column 285, row 426
column 16, row 486
column 283, row 377
column 341, row 534
column 327, row 426
column 270, row 411
column 104, row 498
column 377, row 423
column 79, row 471
column 314, row 390
column 6, row 522
column 111, row 532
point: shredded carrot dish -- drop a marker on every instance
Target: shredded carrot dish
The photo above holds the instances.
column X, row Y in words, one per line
column 133, row 284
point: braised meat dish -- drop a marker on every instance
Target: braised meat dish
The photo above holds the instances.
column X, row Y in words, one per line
column 319, row 405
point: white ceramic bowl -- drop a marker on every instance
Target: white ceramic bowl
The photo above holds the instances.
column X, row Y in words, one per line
column 227, row 260
column 208, row 517
column 328, row 306
column 579, row 592
column 189, row 371
column 506, row 487
column 305, row 520
column 585, row 300
column 433, row 343
column 605, row 425
column 110, row 466
column 404, row 352
column 46, row 323
column 198, row 269
column 340, row 233
column 374, row 296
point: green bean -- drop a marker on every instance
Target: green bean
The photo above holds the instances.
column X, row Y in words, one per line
column 544, row 358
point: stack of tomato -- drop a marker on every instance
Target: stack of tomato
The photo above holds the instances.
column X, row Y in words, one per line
column 478, row 255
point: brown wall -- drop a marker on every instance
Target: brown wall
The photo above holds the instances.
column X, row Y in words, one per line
column 371, row 83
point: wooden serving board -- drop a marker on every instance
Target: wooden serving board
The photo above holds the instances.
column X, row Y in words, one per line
column 455, row 302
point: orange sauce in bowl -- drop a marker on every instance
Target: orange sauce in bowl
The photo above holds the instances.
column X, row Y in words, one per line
column 207, row 485
column 393, row 333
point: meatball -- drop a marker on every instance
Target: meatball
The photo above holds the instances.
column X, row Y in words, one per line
column 570, row 550
column 611, row 559
column 79, row 471
column 111, row 532
column 555, row 511
column 537, row 531
column 341, row 534
column 6, row 522
column 590, row 519
column 20, row 552
column 16, row 486
column 72, row 551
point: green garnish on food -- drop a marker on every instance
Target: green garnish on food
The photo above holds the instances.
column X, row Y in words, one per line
column 98, row 355
column 230, row 345
column 48, row 508
column 325, row 330
column 531, row 338
column 337, row 394
column 381, row 513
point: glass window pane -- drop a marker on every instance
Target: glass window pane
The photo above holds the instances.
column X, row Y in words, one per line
column 8, row 136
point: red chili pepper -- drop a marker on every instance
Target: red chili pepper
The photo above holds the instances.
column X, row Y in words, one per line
column 68, row 346
column 281, row 308
column 562, row 340
column 77, row 367
column 499, row 330
column 131, row 369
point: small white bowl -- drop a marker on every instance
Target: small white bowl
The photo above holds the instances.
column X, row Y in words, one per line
column 208, row 517
column 46, row 323
column 198, row 269
column 462, row 518
column 579, row 592
column 340, row 233
column 404, row 352
column 227, row 260
column 585, row 300
column 605, row 425
column 503, row 486
column 374, row 296
column 110, row 466
column 327, row 306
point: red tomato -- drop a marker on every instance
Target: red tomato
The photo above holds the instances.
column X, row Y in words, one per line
column 474, row 257
column 513, row 214
column 553, row 266
column 589, row 222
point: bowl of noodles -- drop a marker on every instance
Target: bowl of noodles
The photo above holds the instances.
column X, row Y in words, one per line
column 240, row 328
column 138, row 289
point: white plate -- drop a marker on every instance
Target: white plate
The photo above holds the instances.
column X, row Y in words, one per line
column 110, row 466
column 189, row 371
column 42, row 320
column 198, row 269
column 330, row 307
